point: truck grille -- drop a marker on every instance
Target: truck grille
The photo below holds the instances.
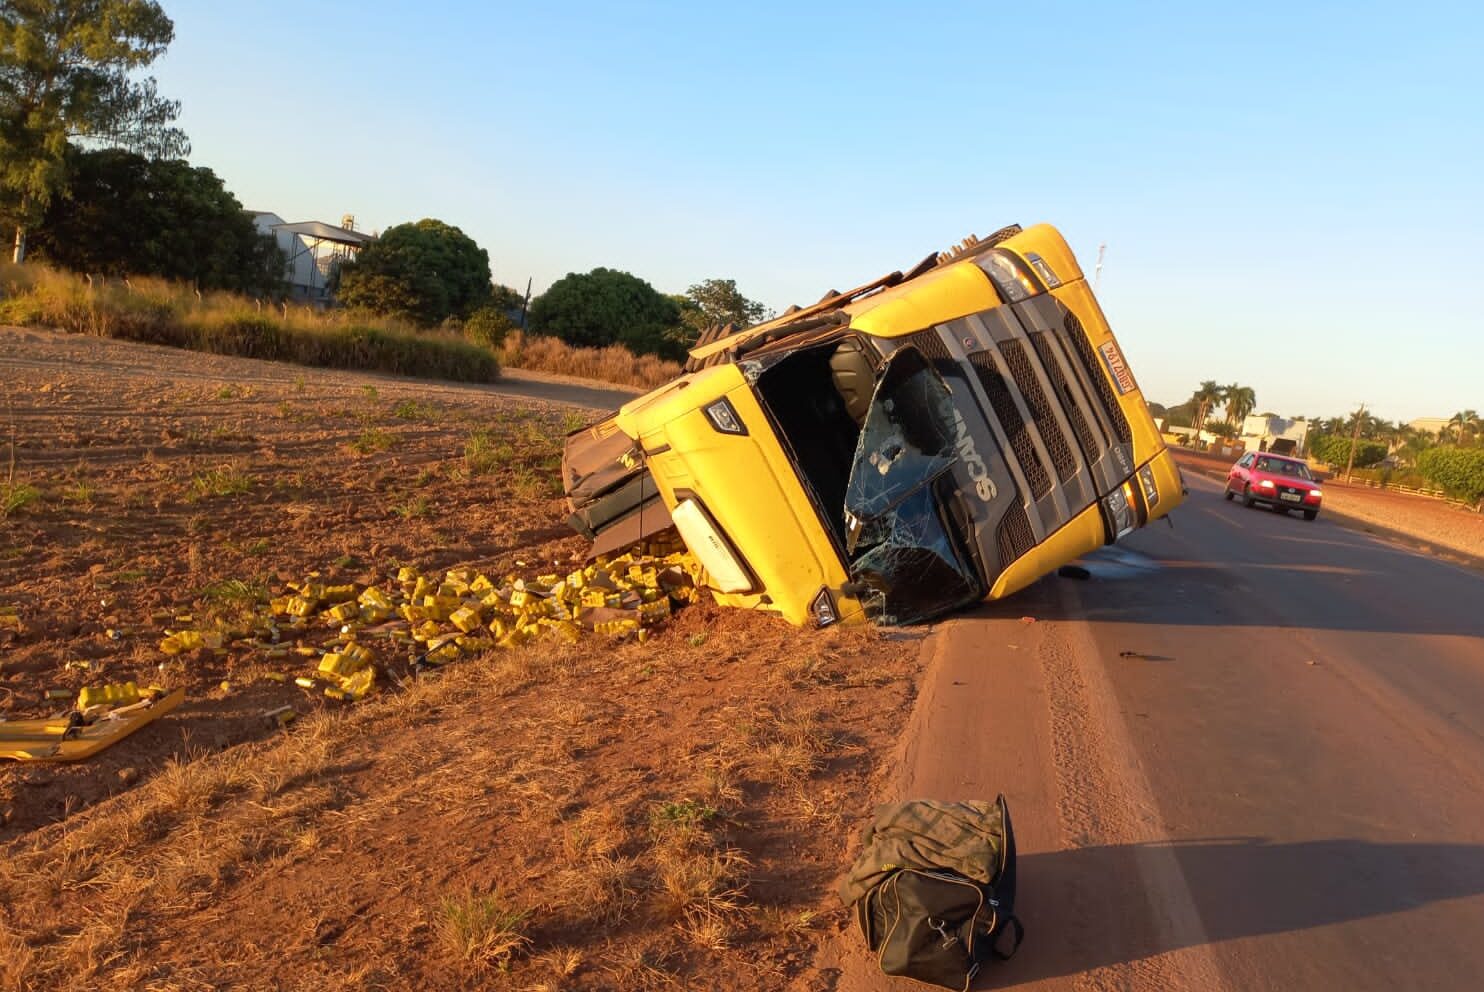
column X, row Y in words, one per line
column 1086, row 440
column 1014, row 535
column 1099, row 378
column 1040, row 409
column 934, row 350
column 1010, row 420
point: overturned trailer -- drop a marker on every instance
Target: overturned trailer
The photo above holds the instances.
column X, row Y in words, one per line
column 928, row 440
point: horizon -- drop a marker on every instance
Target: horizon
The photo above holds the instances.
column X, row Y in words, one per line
column 1238, row 168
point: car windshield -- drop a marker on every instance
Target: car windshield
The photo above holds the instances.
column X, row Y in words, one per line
column 1282, row 466
column 896, row 541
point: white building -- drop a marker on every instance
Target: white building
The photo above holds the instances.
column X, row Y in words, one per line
column 313, row 250
column 1261, row 432
column 1430, row 425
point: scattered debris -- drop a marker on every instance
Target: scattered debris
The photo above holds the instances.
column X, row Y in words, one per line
column 1141, row 656
column 1027, row 619
column 104, row 716
column 281, row 716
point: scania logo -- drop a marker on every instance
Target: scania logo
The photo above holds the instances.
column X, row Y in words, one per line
column 984, row 486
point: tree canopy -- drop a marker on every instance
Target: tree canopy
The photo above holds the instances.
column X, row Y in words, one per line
column 125, row 214
column 424, row 272
column 606, row 306
column 67, row 72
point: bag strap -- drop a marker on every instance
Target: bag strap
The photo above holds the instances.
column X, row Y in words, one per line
column 1010, row 921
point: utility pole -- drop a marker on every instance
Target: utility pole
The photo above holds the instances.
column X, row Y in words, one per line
column 525, row 304
column 1354, row 440
column 1097, row 271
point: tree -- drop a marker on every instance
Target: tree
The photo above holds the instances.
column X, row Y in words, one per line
column 720, row 303
column 125, row 214
column 714, row 303
column 66, row 72
column 1463, row 426
column 1206, row 397
column 424, row 272
column 1334, row 449
column 1240, row 401
column 606, row 306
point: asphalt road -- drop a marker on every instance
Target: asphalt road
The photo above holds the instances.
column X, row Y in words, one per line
column 1279, row 786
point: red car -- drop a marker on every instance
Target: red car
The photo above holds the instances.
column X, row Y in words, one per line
column 1282, row 483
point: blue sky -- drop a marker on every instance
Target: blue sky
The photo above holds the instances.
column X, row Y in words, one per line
column 1290, row 196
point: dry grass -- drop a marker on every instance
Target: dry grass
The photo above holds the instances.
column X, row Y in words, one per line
column 159, row 312
column 662, row 876
column 156, row 311
column 614, row 363
column 481, row 928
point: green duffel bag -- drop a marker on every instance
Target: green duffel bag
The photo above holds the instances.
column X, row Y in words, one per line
column 923, row 919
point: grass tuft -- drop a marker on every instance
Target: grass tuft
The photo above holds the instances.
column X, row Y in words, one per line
column 483, row 453
column 372, row 440
column 481, row 928
column 224, row 480
column 16, row 496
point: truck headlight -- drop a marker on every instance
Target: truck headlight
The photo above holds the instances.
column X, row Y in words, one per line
column 1151, row 491
column 1043, row 270
column 1009, row 279
column 1122, row 518
column 823, row 609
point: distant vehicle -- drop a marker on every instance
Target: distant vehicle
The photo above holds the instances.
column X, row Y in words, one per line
column 928, row 440
column 1282, row 483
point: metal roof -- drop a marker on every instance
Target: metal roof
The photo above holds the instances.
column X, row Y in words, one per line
column 321, row 231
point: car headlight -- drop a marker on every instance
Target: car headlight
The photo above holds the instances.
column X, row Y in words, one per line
column 1265, row 484
column 1316, row 492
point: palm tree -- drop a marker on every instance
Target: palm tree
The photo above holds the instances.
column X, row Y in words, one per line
column 1240, row 401
column 1463, row 425
column 1207, row 396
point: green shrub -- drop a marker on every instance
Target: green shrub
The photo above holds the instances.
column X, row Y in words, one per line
column 488, row 326
column 1459, row 472
column 1334, row 450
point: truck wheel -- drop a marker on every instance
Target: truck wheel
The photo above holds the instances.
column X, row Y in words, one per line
column 1310, row 514
column 1247, row 499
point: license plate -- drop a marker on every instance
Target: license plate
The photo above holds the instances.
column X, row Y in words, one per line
column 1291, row 497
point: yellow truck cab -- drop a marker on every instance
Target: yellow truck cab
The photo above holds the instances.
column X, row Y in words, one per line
column 923, row 442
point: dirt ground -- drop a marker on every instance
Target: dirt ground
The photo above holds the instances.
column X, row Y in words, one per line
column 1430, row 522
column 605, row 814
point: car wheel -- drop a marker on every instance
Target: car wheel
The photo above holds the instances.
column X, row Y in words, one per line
column 1310, row 514
column 1228, row 494
column 1247, row 499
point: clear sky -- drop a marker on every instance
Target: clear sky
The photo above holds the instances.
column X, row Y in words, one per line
column 1290, row 194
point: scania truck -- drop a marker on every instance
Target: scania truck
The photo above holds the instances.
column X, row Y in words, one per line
column 934, row 438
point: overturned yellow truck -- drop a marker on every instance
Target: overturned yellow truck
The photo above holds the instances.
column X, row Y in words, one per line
column 934, row 438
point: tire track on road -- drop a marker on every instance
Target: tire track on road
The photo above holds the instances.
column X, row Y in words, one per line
column 1104, row 799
